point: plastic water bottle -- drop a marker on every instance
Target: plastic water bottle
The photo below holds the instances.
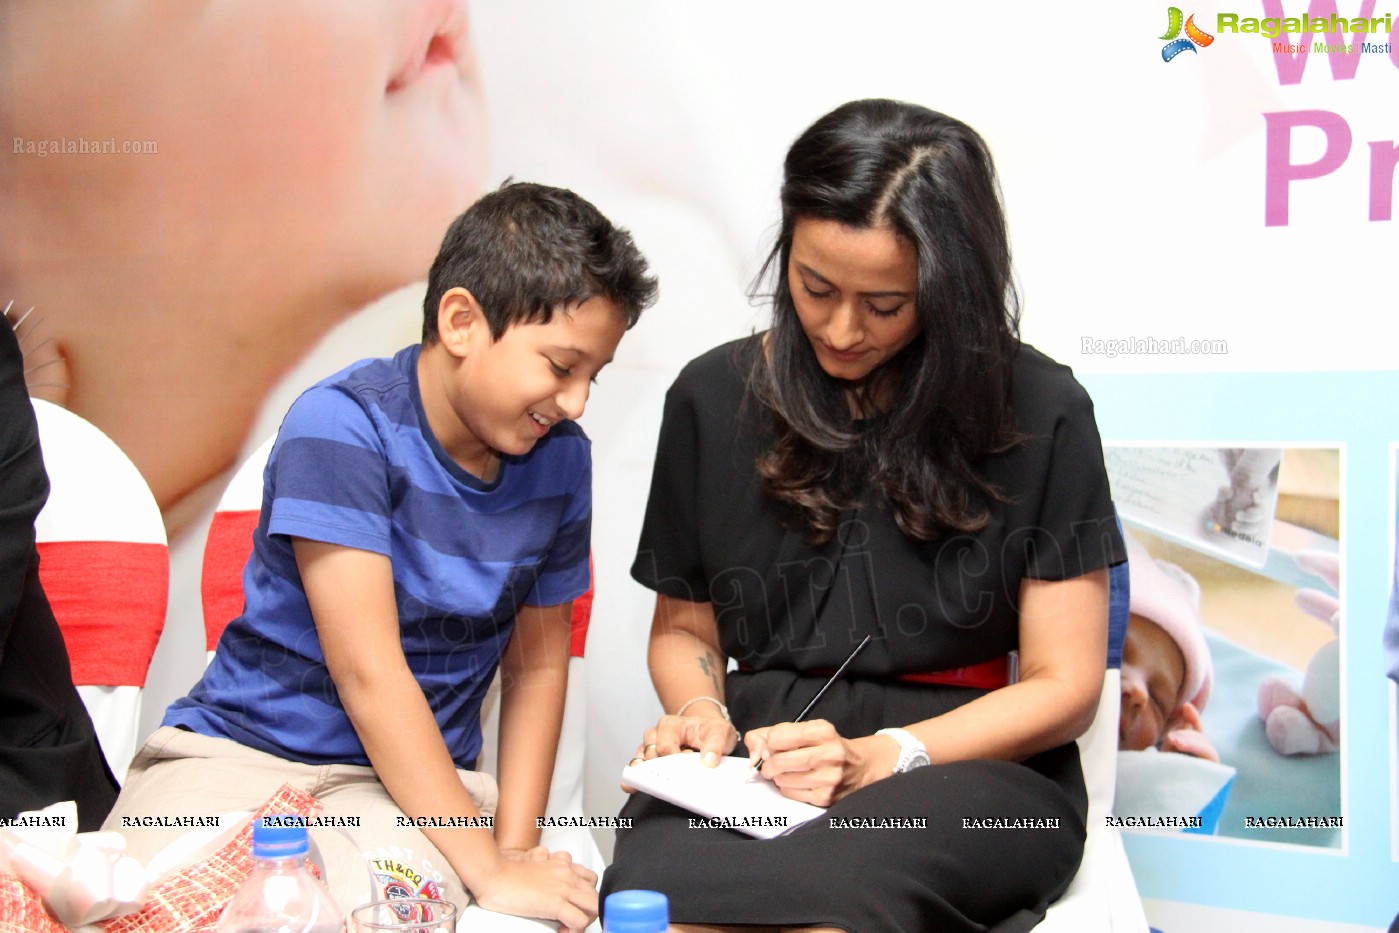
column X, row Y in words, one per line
column 281, row 896
column 636, row 912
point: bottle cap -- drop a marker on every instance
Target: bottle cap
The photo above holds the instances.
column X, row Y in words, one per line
column 636, row 912
column 280, row 837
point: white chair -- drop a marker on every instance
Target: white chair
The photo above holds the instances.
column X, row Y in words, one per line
column 1103, row 896
column 105, row 566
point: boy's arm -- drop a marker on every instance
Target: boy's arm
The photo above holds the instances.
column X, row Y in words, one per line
column 534, row 680
column 351, row 596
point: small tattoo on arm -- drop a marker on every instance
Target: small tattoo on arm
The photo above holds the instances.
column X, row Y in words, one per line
column 707, row 663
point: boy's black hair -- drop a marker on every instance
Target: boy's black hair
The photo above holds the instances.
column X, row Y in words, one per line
column 525, row 250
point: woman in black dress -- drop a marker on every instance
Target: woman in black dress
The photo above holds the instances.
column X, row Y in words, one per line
column 887, row 460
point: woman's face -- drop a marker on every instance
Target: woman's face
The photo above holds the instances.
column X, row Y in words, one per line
column 854, row 290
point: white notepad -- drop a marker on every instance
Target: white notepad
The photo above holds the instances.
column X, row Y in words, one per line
column 724, row 795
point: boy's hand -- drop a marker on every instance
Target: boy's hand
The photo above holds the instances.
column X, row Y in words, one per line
column 539, row 883
column 535, row 854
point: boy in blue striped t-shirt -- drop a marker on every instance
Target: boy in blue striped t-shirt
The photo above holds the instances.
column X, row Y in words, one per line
column 425, row 518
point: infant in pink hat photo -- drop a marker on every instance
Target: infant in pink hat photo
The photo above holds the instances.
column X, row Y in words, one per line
column 1166, row 668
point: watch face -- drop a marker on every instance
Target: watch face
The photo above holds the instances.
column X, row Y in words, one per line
column 918, row 760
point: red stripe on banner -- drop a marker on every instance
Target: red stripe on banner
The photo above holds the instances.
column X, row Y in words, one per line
column 109, row 599
column 226, row 552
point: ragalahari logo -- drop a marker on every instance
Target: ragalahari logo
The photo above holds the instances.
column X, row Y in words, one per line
column 1194, row 35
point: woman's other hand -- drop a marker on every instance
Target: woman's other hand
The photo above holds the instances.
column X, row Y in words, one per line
column 812, row 762
column 711, row 736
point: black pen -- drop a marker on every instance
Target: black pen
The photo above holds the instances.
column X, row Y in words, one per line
column 758, row 766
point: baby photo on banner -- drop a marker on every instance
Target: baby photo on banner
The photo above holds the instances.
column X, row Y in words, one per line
column 1231, row 672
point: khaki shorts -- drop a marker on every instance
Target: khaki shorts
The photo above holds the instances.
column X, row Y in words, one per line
column 184, row 774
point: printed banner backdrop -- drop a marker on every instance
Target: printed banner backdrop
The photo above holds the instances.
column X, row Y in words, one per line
column 1247, row 761
column 1201, row 204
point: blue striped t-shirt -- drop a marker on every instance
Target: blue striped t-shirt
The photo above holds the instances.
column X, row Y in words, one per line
column 355, row 464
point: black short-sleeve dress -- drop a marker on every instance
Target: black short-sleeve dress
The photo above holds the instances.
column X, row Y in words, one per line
column 789, row 613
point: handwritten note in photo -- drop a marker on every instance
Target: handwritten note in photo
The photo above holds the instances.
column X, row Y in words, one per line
column 1219, row 499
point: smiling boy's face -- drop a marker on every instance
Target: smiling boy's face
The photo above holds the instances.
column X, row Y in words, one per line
column 1153, row 673
column 487, row 397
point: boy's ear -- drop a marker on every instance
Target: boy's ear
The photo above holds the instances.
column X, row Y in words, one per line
column 461, row 324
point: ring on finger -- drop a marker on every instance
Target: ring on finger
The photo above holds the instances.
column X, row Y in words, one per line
column 636, row 759
column 649, row 747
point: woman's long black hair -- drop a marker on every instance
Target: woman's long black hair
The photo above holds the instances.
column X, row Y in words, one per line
column 944, row 400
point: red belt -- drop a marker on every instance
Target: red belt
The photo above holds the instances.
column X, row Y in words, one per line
column 988, row 675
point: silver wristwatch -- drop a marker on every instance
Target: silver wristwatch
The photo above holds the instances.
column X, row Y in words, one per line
column 912, row 753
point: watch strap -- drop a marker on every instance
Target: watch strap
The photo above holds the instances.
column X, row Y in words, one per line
column 912, row 752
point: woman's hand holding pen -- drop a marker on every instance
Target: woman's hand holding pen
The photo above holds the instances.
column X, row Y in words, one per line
column 812, row 762
column 711, row 736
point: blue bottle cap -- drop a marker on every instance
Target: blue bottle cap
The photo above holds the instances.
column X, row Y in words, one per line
column 280, row 837
column 636, row 912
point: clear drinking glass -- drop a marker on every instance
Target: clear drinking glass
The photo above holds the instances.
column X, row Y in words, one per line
column 405, row 915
